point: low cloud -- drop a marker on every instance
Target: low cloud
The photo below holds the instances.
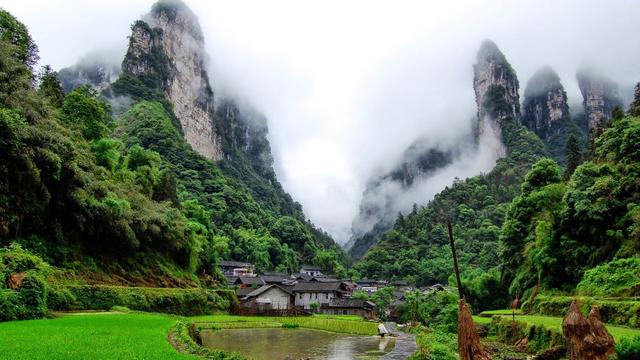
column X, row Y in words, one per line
column 348, row 86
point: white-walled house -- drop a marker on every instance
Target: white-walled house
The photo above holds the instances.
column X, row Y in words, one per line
column 268, row 297
column 322, row 293
column 311, row 270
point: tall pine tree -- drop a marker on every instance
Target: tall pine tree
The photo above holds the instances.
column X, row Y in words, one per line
column 573, row 155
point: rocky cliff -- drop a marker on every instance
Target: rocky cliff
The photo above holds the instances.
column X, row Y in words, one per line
column 166, row 49
column 97, row 74
column 545, row 111
column 600, row 96
column 545, row 103
column 496, row 86
column 383, row 199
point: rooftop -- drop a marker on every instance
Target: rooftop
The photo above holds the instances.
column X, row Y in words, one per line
column 316, row 286
column 229, row 263
column 249, row 280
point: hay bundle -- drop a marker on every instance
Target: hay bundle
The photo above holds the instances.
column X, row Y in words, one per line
column 575, row 328
column 599, row 343
column 468, row 340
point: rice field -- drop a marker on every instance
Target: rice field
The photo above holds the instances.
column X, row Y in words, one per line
column 339, row 324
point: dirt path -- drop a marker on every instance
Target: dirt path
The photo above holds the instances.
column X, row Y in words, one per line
column 405, row 344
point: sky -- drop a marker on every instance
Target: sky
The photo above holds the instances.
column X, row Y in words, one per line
column 348, row 85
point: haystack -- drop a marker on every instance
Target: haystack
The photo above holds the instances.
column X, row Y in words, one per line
column 599, row 343
column 575, row 328
column 468, row 340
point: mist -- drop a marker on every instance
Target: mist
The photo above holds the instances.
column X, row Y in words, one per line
column 346, row 87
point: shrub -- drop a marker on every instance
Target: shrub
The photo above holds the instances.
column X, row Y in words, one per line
column 29, row 298
column 436, row 346
column 628, row 349
column 625, row 312
column 11, row 307
column 615, row 278
column 539, row 337
column 181, row 335
column 194, row 301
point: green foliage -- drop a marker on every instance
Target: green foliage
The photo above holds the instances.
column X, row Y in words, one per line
column 616, row 278
column 16, row 33
column 621, row 311
column 540, row 337
column 83, row 111
column 50, row 87
column 628, row 349
column 182, row 333
column 29, row 299
column 434, row 345
column 573, row 156
column 167, row 300
column 235, row 221
column 333, row 323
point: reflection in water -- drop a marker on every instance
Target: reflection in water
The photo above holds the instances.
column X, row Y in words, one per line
column 277, row 344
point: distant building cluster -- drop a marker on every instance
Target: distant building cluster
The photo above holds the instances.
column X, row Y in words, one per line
column 307, row 291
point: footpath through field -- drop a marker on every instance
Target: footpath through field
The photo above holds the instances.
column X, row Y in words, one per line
column 405, row 344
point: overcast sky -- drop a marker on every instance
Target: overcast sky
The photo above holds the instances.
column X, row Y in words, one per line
column 348, row 85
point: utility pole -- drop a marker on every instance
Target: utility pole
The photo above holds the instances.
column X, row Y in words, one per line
column 455, row 259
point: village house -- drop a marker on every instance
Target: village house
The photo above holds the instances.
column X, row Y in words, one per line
column 268, row 298
column 311, row 270
column 363, row 308
column 236, row 268
column 249, row 281
column 316, row 292
column 275, row 278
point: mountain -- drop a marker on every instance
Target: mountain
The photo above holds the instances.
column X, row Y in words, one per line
column 416, row 248
column 93, row 72
column 157, row 194
column 496, row 89
column 382, row 201
column 600, row 96
column 545, row 111
column 496, row 86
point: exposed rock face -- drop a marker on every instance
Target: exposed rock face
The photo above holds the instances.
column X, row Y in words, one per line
column 168, row 48
column 496, row 86
column 545, row 104
column 600, row 96
column 98, row 75
column 245, row 131
column 381, row 200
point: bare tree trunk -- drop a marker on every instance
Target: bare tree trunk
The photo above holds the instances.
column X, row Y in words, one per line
column 455, row 259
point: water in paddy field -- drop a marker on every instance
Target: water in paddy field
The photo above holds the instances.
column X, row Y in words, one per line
column 276, row 344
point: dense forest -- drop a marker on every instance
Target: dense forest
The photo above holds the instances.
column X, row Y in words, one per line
column 126, row 194
column 529, row 224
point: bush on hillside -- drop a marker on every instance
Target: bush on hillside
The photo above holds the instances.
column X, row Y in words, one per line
column 194, row 301
column 616, row 278
column 23, row 285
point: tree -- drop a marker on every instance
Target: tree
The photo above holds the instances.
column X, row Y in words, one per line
column 383, row 298
column 83, row 110
column 634, row 108
column 16, row 33
column 573, row 155
column 50, row 86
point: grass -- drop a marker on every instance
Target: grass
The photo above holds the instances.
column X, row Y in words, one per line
column 555, row 323
column 89, row 336
column 335, row 323
column 490, row 313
